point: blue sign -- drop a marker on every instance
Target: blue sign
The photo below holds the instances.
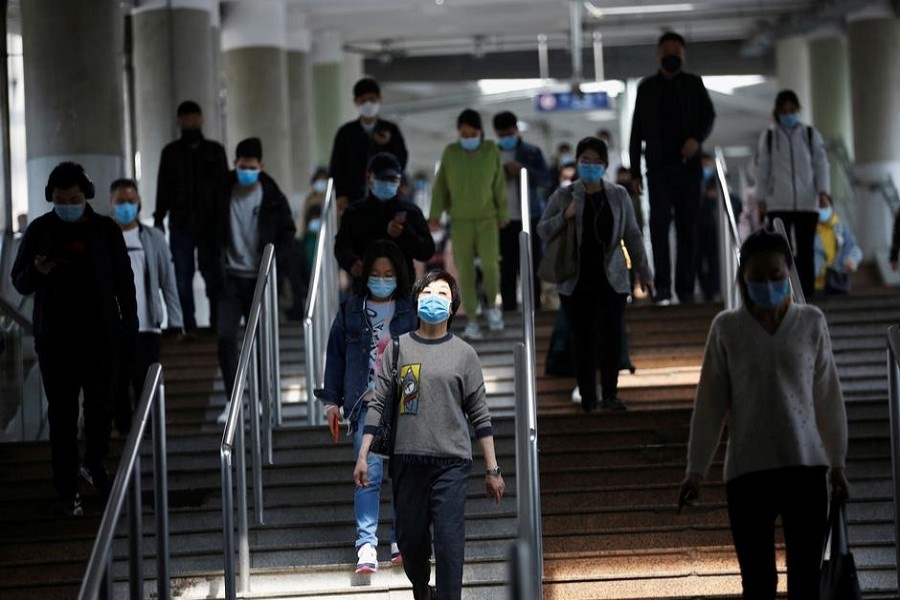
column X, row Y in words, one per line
column 568, row 101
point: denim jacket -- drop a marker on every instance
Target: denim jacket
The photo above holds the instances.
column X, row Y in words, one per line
column 347, row 356
column 539, row 176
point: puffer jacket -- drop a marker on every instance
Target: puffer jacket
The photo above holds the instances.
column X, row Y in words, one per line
column 793, row 168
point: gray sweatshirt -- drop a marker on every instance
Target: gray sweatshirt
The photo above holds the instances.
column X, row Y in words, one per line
column 441, row 392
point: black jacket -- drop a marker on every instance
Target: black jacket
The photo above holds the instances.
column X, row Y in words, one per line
column 895, row 239
column 88, row 299
column 697, row 114
column 276, row 226
column 366, row 221
column 353, row 147
column 190, row 176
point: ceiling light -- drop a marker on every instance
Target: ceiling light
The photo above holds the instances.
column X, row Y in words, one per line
column 727, row 84
column 611, row 11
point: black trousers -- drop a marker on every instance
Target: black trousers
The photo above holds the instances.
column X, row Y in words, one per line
column 595, row 317
column 678, row 196
column 799, row 495
column 66, row 371
column 509, row 263
column 803, row 226
column 234, row 303
column 708, row 260
column 130, row 378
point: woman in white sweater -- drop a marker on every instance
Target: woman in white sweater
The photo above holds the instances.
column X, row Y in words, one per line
column 769, row 371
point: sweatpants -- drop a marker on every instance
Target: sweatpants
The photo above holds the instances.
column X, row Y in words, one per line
column 800, row 496
column 481, row 239
column 803, row 225
column 130, row 378
column 432, row 495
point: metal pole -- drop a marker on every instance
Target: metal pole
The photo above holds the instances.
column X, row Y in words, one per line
column 276, row 349
column 9, row 219
column 543, row 58
column 161, row 491
column 243, row 527
column 894, row 398
column 598, row 57
column 135, row 536
column 576, row 42
column 309, row 357
column 266, row 385
column 255, row 450
column 108, row 575
column 225, row 456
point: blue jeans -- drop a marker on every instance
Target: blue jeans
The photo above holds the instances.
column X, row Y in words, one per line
column 183, row 244
column 367, row 500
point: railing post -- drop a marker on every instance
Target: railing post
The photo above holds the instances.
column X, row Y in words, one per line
column 135, row 536
column 225, row 457
column 161, row 494
column 310, row 360
column 274, row 340
column 266, row 384
column 253, row 414
column 243, row 526
column 894, row 402
column 797, row 289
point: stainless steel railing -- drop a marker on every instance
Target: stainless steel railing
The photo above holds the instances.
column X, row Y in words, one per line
column 893, row 367
column 796, row 289
column 729, row 239
column 528, row 489
column 259, row 365
column 128, row 481
column 321, row 306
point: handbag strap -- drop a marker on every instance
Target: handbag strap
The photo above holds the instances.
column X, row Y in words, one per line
column 837, row 531
column 395, row 355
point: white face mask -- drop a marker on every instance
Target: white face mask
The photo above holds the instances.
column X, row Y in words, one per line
column 369, row 109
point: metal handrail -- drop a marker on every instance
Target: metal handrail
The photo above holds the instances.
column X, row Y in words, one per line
column 15, row 314
column 257, row 363
column 528, row 490
column 321, row 305
column 796, row 288
column 729, row 239
column 893, row 367
column 128, row 480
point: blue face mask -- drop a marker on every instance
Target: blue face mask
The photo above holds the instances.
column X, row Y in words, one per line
column 382, row 287
column 384, row 190
column 314, row 225
column 708, row 173
column 825, row 214
column 768, row 294
column 470, row 144
column 247, row 177
column 508, row 142
column 566, row 159
column 789, row 120
column 434, row 309
column 320, row 186
column 591, row 173
column 69, row 212
column 125, row 213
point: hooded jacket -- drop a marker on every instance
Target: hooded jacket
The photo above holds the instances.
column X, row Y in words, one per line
column 792, row 169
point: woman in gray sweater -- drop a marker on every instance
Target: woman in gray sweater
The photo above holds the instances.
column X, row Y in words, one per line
column 441, row 393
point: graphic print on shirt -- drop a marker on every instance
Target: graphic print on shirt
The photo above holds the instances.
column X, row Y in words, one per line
column 379, row 318
column 409, row 388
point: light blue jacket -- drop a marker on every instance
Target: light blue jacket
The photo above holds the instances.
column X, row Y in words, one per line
column 847, row 248
column 160, row 275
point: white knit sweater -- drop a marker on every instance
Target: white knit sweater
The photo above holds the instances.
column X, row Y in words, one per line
column 780, row 393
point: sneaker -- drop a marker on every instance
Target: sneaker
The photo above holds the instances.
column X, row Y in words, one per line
column 97, row 478
column 576, row 395
column 396, row 557
column 223, row 416
column 495, row 319
column 472, row 331
column 70, row 507
column 368, row 559
column 613, row 404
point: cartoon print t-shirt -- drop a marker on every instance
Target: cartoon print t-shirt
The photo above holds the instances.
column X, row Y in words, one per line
column 379, row 315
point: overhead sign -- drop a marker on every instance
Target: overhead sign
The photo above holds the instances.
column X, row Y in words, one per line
column 550, row 102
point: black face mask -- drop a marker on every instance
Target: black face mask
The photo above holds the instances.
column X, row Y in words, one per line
column 671, row 63
column 191, row 135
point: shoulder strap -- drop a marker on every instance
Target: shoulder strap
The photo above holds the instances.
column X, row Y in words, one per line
column 769, row 141
column 395, row 354
column 809, row 138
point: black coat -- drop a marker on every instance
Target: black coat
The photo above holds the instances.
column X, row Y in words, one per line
column 366, row 221
column 353, row 147
column 697, row 115
column 190, row 177
column 89, row 293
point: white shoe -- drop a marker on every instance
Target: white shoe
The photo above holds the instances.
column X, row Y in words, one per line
column 223, row 416
column 472, row 331
column 495, row 319
column 576, row 395
column 368, row 559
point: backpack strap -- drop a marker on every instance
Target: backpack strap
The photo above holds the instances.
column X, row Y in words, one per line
column 769, row 141
column 809, row 139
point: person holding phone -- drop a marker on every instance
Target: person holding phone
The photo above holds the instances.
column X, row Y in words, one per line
column 362, row 330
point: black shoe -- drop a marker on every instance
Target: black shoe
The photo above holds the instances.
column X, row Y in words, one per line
column 69, row 507
column 589, row 406
column 97, row 478
column 613, row 404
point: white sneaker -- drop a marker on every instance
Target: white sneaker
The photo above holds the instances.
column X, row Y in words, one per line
column 472, row 331
column 495, row 319
column 223, row 416
column 368, row 559
column 576, row 395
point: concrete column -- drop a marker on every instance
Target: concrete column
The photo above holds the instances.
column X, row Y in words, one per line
column 328, row 91
column 253, row 46
column 301, row 109
column 75, row 107
column 173, row 62
column 830, row 89
column 875, row 84
column 351, row 71
column 793, row 71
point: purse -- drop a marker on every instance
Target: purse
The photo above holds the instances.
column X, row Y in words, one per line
column 558, row 263
column 383, row 443
column 837, row 282
column 838, row 580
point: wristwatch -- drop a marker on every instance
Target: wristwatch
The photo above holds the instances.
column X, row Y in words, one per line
column 495, row 472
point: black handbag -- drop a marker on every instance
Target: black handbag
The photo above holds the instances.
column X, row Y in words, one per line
column 837, row 282
column 383, row 443
column 838, row 580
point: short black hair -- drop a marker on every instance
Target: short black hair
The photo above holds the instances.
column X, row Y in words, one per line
column 439, row 275
column 123, row 182
column 319, row 172
column 189, row 107
column 783, row 97
column 505, row 120
column 364, row 86
column 593, row 143
column 758, row 243
column 469, row 117
column 671, row 36
column 68, row 174
column 623, row 169
column 249, row 148
column 563, row 145
column 392, row 252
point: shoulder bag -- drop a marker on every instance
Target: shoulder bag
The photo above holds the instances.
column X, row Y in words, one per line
column 559, row 263
column 383, row 444
column 838, row 580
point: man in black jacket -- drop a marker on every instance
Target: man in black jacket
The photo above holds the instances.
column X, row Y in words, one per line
column 250, row 212
column 75, row 263
column 673, row 115
column 191, row 171
column 358, row 141
column 382, row 215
